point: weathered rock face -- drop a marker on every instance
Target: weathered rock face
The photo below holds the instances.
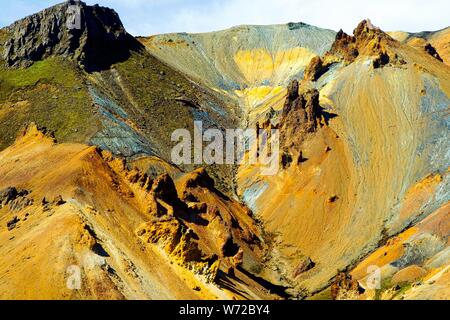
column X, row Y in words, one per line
column 16, row 198
column 164, row 188
column 196, row 234
column 199, row 178
column 345, row 46
column 315, row 69
column 301, row 115
column 432, row 52
column 8, row 195
column 301, row 112
column 91, row 35
column 367, row 40
column 181, row 244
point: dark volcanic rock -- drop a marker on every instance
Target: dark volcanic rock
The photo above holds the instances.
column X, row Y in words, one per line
column 164, row 188
column 91, row 35
column 12, row 223
column 432, row 52
column 16, row 199
column 7, row 195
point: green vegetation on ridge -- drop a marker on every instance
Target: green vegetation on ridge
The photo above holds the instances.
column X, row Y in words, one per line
column 52, row 94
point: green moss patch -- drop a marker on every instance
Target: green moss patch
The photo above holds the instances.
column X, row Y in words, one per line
column 51, row 93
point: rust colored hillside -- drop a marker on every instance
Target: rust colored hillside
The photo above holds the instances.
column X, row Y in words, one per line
column 132, row 236
column 92, row 206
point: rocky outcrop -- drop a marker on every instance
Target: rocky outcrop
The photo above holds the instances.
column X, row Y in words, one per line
column 7, row 195
column 181, row 244
column 301, row 111
column 367, row 40
column 199, row 178
column 171, row 219
column 163, row 188
column 93, row 36
column 315, row 69
column 432, row 52
column 170, row 230
column 202, row 230
column 345, row 287
column 344, row 46
column 301, row 115
column 16, row 199
column 305, row 265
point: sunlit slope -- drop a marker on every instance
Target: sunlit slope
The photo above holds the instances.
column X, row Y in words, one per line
column 413, row 265
column 66, row 207
column 251, row 64
column 380, row 165
column 440, row 40
column 244, row 56
column 48, row 239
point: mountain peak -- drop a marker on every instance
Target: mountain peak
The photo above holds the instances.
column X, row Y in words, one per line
column 93, row 36
column 367, row 40
column 366, row 24
column 366, row 29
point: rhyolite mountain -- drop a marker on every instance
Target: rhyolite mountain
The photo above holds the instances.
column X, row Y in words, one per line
column 86, row 181
column 437, row 42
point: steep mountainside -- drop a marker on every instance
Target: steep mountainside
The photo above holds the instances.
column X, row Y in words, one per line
column 87, row 185
column 95, row 39
column 244, row 56
column 377, row 162
column 251, row 64
column 66, row 207
column 123, row 225
column 127, row 102
column 440, row 40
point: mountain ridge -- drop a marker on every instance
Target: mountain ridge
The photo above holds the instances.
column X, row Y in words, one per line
column 364, row 162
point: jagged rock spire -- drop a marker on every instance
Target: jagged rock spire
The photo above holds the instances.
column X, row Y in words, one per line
column 302, row 115
column 367, row 40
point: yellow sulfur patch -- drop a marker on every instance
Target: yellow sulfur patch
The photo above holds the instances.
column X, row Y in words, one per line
column 258, row 100
column 258, row 65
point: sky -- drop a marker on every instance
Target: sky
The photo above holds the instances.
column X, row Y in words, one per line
column 148, row 17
